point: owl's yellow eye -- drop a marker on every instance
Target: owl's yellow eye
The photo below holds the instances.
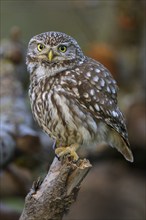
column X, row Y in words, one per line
column 40, row 47
column 62, row 48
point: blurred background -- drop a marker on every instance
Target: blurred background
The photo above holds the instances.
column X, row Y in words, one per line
column 110, row 31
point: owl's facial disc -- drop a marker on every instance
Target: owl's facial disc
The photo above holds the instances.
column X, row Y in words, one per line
column 44, row 52
column 53, row 52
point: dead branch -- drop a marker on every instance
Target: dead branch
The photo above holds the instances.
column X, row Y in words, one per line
column 52, row 198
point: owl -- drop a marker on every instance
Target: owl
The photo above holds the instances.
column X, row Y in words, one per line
column 73, row 97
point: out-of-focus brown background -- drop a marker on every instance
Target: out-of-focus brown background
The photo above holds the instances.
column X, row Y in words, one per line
column 111, row 31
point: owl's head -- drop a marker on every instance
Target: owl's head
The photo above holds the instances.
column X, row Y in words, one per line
column 53, row 52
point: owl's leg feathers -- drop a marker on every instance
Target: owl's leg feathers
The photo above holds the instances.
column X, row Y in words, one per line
column 69, row 151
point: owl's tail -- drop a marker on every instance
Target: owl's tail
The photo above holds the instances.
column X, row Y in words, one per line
column 116, row 141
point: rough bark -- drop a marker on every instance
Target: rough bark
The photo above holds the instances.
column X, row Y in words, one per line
column 52, row 198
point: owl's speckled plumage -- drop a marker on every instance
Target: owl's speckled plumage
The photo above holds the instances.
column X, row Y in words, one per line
column 73, row 97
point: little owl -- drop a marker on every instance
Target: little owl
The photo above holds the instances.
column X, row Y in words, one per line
column 73, row 97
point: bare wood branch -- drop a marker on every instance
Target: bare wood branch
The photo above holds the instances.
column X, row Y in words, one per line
column 52, row 198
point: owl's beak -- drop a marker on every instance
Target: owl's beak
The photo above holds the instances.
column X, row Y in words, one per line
column 50, row 55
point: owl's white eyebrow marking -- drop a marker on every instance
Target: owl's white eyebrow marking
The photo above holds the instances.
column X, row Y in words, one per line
column 97, row 70
column 97, row 107
column 96, row 78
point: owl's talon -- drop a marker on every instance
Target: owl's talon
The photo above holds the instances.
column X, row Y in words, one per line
column 69, row 152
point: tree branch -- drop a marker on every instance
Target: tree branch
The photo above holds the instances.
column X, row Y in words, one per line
column 52, row 198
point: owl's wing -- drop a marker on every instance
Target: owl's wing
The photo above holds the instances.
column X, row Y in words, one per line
column 97, row 92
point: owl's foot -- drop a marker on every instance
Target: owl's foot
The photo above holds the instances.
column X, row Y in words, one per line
column 62, row 152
